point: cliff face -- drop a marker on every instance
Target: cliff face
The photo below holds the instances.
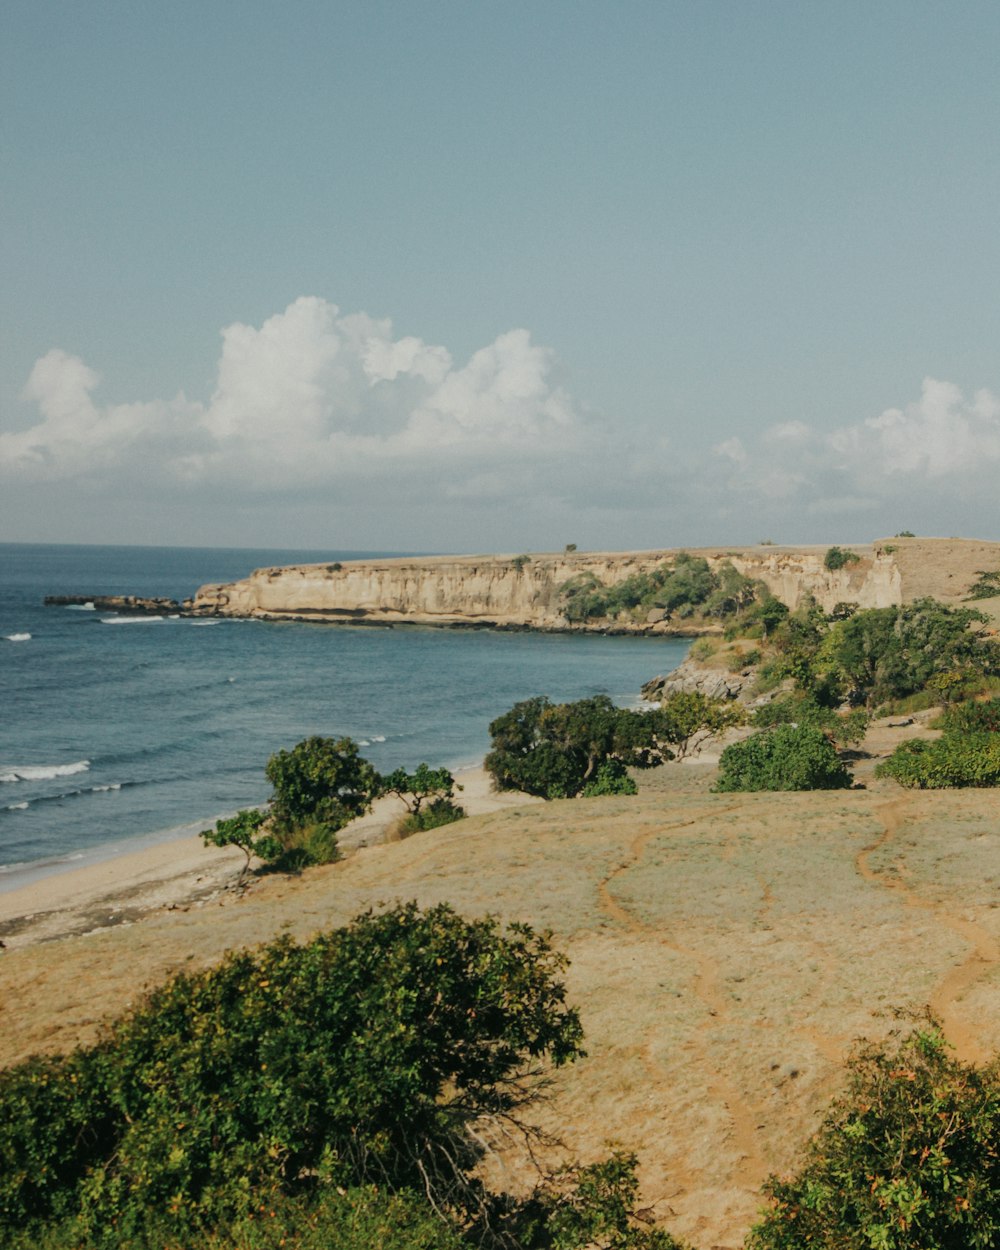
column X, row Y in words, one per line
column 507, row 591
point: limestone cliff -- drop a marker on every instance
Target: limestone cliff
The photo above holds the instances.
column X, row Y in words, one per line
column 522, row 592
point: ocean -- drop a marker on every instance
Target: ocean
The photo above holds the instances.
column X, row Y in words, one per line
column 117, row 731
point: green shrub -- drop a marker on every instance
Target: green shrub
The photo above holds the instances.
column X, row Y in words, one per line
column 787, row 757
column 986, row 586
column 906, row 1160
column 242, row 830
column 611, row 778
column 956, row 760
column 320, row 781
column 358, row 1218
column 838, row 557
column 360, row 1057
column 972, row 717
column 555, row 750
column 702, row 648
column 437, row 813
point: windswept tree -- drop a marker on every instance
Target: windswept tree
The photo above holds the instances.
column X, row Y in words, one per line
column 556, row 750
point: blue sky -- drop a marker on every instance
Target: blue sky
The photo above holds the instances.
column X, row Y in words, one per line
column 498, row 276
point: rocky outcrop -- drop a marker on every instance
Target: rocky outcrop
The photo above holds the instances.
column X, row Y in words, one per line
column 692, row 677
column 137, row 605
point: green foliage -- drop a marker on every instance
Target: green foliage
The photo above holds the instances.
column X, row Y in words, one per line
column 906, row 1160
column 242, row 830
column 987, row 585
column 520, row 561
column 594, row 1210
column 437, row 813
column 681, row 587
column 788, row 757
column 320, row 781
column 358, row 1218
column 838, row 557
column 975, row 716
column 555, row 750
column 889, row 653
column 956, row 760
column 362, row 1057
column 703, row 648
column 570, row 548
column 611, row 778
column 842, row 728
column 906, row 534
column 685, row 714
column 424, row 785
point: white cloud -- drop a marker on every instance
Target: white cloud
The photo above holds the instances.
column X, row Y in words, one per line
column 309, row 398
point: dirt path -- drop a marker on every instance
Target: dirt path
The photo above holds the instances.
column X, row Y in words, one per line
column 945, row 1000
column 750, row 1169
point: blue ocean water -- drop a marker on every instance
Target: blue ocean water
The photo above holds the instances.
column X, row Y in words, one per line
column 114, row 728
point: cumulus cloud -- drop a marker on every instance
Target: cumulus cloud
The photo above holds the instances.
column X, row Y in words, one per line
column 309, row 397
column 942, row 444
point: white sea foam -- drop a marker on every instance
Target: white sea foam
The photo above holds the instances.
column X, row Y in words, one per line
column 117, row 785
column 18, row 637
column 16, row 807
column 41, row 772
column 378, row 737
column 202, row 624
column 129, row 620
column 81, row 607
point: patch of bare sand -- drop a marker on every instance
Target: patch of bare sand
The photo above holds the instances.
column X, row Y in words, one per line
column 726, row 951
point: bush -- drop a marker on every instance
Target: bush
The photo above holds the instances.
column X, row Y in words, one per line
column 838, row 557
column 956, row 760
column 610, row 778
column 702, row 649
column 555, row 750
column 906, row 1160
column 361, row 1057
column 242, row 830
column 437, row 813
column 320, row 781
column 788, row 757
column 972, row 717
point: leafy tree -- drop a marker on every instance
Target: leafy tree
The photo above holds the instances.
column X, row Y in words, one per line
column 366, row 1056
column 424, row 785
column 789, row 757
column 242, row 830
column 320, row 780
column 555, row 750
column 889, row 653
column 684, row 715
column 906, row 1160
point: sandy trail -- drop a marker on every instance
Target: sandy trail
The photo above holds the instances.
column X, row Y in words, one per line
column 946, row 998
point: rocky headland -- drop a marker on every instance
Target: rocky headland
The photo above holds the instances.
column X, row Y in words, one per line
column 523, row 591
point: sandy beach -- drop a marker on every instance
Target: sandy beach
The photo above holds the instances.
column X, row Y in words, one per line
column 181, row 873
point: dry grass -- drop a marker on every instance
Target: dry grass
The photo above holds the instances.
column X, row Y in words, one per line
column 726, row 951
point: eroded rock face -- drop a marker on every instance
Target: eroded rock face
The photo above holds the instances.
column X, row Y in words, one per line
column 691, row 677
column 512, row 591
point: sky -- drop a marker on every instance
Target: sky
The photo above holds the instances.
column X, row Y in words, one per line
column 495, row 275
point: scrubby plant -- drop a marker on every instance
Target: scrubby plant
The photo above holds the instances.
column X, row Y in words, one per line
column 906, row 1159
column 703, row 649
column 973, row 716
column 365, row 1056
column 954, row 761
column 243, row 830
column 554, row 750
column 986, row 586
column 686, row 715
column 788, row 757
column 838, row 558
column 319, row 786
column 611, row 778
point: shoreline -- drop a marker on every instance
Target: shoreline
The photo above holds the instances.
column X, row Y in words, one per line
column 178, row 873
